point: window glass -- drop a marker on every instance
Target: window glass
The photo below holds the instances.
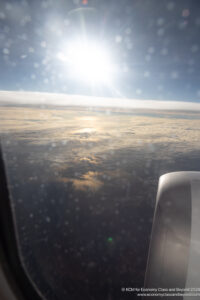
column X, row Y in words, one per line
column 84, row 143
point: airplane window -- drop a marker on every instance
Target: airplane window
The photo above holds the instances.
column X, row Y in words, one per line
column 98, row 99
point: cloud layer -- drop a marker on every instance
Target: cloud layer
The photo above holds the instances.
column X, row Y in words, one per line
column 34, row 98
column 83, row 184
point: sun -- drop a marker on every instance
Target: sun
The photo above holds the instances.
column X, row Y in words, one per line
column 88, row 61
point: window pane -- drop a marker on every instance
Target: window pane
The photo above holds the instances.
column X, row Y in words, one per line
column 83, row 183
column 83, row 170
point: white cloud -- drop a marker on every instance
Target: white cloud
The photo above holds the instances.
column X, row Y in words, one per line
column 36, row 98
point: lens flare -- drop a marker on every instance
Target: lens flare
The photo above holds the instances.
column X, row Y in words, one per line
column 88, row 61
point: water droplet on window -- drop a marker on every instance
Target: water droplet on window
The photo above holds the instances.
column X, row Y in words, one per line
column 48, row 219
column 185, row 13
column 118, row 38
column 146, row 74
column 174, row 75
column 31, row 50
column 194, row 48
column 128, row 31
column 2, row 15
column 148, row 57
column 36, row 65
column 164, row 51
column 43, row 44
column 197, row 21
column 161, row 32
column 160, row 21
column 8, row 6
column 182, row 25
column 138, row 91
column 151, row 50
column 170, row 5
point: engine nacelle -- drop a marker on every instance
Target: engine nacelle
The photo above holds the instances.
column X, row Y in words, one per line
column 174, row 254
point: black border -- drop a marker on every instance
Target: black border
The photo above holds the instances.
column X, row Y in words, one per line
column 13, row 269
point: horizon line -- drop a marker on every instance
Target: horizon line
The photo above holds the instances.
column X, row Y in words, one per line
column 61, row 99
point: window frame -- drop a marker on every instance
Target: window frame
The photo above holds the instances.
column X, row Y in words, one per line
column 10, row 261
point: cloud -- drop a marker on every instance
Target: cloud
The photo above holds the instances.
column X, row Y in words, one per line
column 88, row 182
column 35, row 98
column 83, row 134
column 91, row 187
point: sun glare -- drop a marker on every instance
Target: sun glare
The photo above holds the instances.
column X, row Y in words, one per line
column 88, row 61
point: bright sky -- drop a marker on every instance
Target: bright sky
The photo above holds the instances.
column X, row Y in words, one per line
column 146, row 49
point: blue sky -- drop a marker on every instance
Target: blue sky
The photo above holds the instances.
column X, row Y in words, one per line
column 154, row 45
